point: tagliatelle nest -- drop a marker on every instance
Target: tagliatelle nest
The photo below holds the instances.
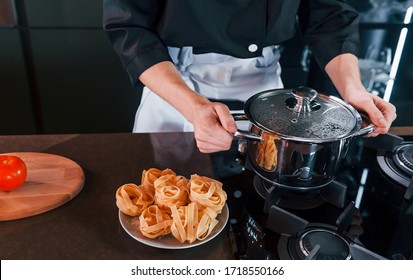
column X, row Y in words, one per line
column 132, row 200
column 149, row 177
column 171, row 190
column 169, row 203
column 207, row 193
column 154, row 222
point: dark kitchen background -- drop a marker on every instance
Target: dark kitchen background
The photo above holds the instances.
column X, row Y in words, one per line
column 59, row 74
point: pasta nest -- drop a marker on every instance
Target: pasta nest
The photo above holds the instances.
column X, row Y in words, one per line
column 169, row 203
column 154, row 222
column 151, row 175
column 132, row 200
column 207, row 192
column 171, row 190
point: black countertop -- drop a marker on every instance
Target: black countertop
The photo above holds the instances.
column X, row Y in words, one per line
column 87, row 227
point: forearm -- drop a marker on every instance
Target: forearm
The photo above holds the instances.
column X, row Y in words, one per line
column 212, row 121
column 164, row 80
column 344, row 72
column 345, row 75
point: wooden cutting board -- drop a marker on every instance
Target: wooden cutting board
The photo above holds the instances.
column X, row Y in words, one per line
column 51, row 181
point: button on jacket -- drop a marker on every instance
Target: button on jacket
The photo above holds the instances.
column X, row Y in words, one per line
column 141, row 30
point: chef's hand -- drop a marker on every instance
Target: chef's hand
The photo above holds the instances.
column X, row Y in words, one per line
column 213, row 127
column 345, row 74
column 381, row 113
column 213, row 122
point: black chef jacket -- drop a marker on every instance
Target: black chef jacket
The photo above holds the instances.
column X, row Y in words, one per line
column 140, row 30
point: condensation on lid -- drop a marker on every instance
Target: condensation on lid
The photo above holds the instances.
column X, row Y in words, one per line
column 328, row 120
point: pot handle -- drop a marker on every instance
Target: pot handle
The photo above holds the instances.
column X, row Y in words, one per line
column 244, row 134
column 366, row 130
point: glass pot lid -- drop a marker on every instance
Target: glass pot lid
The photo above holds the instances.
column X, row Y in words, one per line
column 302, row 114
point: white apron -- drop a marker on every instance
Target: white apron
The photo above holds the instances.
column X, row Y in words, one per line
column 215, row 76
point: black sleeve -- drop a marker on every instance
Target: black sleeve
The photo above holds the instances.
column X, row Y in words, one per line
column 131, row 28
column 330, row 28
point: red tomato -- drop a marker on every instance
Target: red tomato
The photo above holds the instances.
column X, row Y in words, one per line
column 13, row 172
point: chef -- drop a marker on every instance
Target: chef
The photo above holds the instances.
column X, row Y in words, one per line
column 195, row 56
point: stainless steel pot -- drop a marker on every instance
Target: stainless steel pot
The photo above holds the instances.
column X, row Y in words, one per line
column 299, row 138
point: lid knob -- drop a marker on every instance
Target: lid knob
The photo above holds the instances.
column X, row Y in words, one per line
column 303, row 95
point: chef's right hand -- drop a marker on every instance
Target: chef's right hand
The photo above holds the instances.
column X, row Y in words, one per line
column 213, row 127
column 212, row 121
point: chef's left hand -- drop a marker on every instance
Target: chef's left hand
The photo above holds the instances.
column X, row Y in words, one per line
column 345, row 75
column 381, row 113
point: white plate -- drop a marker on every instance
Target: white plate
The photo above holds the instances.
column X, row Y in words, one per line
column 131, row 226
